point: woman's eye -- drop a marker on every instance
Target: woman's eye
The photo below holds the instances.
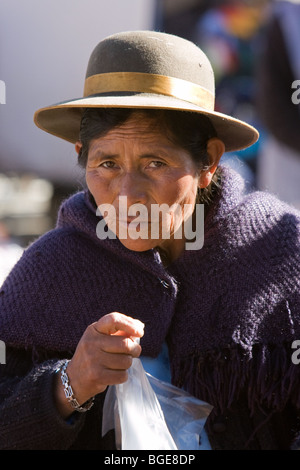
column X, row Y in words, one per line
column 156, row 164
column 108, row 164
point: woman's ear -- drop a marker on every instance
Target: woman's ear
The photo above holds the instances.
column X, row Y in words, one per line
column 78, row 146
column 215, row 150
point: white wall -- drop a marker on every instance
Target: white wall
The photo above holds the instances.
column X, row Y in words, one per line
column 44, row 50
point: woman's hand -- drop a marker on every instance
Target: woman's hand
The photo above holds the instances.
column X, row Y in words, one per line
column 102, row 357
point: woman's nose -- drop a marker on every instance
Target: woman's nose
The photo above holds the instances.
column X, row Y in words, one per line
column 132, row 185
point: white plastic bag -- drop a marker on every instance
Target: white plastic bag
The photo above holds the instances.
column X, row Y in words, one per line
column 148, row 414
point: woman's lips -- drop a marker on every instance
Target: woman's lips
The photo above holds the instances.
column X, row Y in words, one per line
column 134, row 221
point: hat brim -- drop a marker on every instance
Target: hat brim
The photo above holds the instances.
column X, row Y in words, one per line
column 63, row 119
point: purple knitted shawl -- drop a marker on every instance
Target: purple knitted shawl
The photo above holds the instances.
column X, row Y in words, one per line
column 228, row 312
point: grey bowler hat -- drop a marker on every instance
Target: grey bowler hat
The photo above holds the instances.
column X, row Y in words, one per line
column 146, row 69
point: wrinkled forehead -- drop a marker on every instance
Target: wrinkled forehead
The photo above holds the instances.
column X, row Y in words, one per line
column 137, row 132
column 139, row 127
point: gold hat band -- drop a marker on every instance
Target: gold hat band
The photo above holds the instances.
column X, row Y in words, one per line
column 149, row 83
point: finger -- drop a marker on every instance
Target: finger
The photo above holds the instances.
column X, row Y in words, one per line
column 119, row 345
column 115, row 323
column 114, row 377
column 116, row 361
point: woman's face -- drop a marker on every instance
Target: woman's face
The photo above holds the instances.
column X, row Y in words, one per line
column 136, row 164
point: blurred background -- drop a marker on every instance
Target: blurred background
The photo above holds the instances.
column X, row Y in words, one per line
column 44, row 49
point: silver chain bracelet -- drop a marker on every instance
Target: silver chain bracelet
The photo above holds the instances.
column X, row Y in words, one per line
column 70, row 394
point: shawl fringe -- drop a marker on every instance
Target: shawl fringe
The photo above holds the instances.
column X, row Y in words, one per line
column 218, row 377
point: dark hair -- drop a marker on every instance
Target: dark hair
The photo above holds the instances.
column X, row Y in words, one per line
column 190, row 131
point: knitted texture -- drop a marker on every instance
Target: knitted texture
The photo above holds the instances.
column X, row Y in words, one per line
column 229, row 311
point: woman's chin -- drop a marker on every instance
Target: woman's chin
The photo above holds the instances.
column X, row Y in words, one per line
column 139, row 244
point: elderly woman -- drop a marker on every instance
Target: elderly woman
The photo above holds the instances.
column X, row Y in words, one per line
column 226, row 309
